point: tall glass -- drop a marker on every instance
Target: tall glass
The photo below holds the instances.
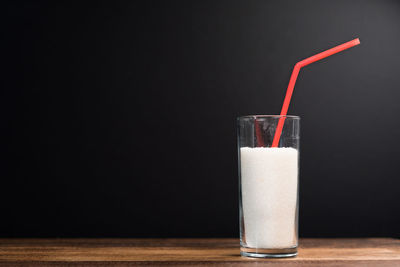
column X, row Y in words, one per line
column 268, row 186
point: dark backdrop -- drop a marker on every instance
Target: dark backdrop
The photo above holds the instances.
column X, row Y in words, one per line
column 119, row 118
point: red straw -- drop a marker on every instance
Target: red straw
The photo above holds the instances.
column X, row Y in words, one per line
column 293, row 78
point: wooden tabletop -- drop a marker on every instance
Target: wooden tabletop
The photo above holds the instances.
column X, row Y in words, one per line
column 193, row 252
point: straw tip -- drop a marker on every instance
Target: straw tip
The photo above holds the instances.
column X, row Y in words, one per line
column 357, row 41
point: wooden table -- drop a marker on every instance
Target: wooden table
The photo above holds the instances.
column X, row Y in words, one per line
column 193, row 252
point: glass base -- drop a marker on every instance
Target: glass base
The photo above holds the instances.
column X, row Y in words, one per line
column 268, row 253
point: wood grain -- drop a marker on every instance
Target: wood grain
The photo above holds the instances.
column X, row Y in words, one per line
column 193, row 252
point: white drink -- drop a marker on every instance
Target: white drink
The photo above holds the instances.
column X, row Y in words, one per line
column 269, row 196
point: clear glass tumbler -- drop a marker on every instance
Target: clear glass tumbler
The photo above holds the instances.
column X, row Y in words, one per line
column 268, row 186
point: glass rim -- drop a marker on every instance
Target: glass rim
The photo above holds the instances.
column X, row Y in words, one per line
column 268, row 116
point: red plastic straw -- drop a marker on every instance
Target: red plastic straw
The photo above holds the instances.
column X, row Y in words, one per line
column 293, row 79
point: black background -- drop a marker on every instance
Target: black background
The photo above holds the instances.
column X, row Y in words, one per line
column 118, row 119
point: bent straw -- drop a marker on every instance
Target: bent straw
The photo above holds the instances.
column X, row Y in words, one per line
column 293, row 79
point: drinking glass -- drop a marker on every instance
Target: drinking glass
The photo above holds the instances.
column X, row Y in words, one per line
column 268, row 186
